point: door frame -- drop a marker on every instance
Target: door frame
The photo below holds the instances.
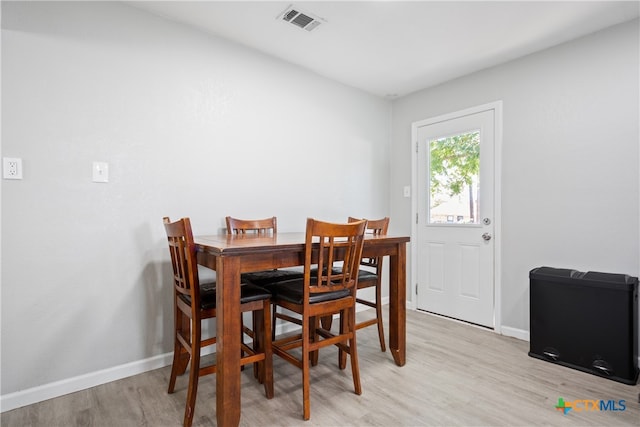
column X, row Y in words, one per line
column 496, row 106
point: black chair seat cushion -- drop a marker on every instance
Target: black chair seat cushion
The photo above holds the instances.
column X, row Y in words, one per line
column 266, row 277
column 292, row 291
column 362, row 274
column 367, row 275
column 367, row 279
column 248, row 293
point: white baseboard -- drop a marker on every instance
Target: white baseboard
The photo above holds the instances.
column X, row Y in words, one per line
column 93, row 379
column 71, row 385
column 521, row 334
column 81, row 382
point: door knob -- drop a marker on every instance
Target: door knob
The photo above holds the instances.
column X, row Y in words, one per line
column 486, row 236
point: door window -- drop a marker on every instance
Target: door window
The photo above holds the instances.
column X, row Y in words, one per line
column 454, row 179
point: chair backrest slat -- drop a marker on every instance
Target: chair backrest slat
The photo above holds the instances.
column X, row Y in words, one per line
column 376, row 227
column 337, row 244
column 246, row 226
column 183, row 258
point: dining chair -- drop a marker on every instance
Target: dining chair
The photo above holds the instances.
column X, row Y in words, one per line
column 369, row 279
column 252, row 226
column 194, row 302
column 262, row 227
column 265, row 278
column 331, row 291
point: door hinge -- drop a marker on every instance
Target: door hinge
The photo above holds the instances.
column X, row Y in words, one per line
column 416, row 217
column 416, row 289
column 416, row 146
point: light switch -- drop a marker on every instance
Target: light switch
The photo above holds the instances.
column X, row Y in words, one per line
column 100, row 172
column 407, row 191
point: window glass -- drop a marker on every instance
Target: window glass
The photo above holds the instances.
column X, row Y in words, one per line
column 454, row 165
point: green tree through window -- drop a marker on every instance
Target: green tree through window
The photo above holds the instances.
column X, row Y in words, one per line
column 455, row 165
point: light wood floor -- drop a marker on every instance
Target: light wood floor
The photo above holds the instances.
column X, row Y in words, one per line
column 456, row 375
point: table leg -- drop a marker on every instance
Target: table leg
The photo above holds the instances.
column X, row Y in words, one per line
column 228, row 341
column 397, row 304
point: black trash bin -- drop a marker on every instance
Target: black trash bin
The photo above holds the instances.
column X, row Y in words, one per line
column 586, row 321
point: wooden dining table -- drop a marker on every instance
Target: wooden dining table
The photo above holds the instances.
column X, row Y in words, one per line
column 231, row 255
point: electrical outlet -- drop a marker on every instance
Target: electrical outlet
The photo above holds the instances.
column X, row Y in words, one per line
column 11, row 168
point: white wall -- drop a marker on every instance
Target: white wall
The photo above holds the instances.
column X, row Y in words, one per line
column 570, row 184
column 191, row 125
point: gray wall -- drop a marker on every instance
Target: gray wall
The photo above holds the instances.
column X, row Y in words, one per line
column 570, row 184
column 191, row 125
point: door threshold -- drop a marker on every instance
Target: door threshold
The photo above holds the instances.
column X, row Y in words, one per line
column 462, row 322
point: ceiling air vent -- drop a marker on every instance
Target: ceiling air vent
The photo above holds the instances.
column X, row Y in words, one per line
column 300, row 19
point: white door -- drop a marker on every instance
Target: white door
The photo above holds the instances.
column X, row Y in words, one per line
column 455, row 221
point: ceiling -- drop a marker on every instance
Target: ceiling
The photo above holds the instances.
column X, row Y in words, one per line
column 393, row 48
